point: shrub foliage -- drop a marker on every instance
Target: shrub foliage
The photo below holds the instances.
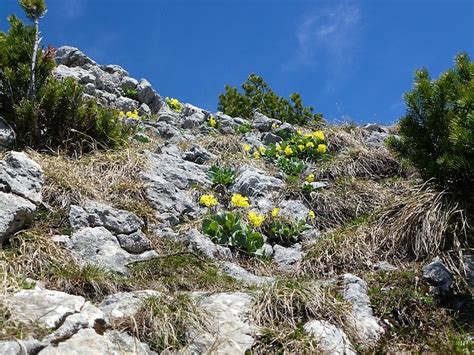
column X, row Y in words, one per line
column 257, row 95
column 437, row 132
column 56, row 114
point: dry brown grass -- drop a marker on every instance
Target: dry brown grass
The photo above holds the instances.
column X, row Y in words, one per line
column 165, row 322
column 281, row 309
column 360, row 162
column 110, row 176
column 423, row 223
column 348, row 199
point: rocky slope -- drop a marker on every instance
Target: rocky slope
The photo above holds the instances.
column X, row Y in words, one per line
column 106, row 254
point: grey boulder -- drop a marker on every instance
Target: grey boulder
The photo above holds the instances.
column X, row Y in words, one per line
column 254, row 182
column 97, row 246
column 96, row 214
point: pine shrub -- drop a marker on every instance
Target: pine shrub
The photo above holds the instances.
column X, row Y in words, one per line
column 258, row 96
column 49, row 113
column 437, row 132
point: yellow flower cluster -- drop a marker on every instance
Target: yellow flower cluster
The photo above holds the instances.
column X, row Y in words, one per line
column 319, row 135
column 288, row 151
column 256, row 155
column 256, row 219
column 275, row 212
column 208, row 200
column 310, row 178
column 240, row 201
column 212, row 122
column 174, row 104
column 322, row 148
column 246, row 147
column 311, row 214
column 133, row 115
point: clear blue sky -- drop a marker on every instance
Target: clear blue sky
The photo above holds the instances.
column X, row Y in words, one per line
column 349, row 59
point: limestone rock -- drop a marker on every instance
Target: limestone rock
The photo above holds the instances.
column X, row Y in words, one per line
column 134, row 243
column 21, row 176
column 72, row 57
column 355, row 292
column 254, row 182
column 21, row 347
column 15, row 212
column 95, row 214
column 331, row 339
column 125, row 304
column 263, row 123
column 239, row 273
column 87, row 341
column 198, row 242
column 99, row 247
column 45, row 307
column 287, row 258
column 145, row 92
column 232, row 332
column 294, row 210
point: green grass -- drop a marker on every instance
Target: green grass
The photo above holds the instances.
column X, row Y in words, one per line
column 182, row 272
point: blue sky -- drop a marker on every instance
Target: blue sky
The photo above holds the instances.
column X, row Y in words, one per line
column 348, row 59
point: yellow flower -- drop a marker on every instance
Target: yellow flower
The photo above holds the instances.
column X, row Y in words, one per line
column 310, row 178
column 288, row 150
column 212, row 122
column 121, row 114
column 298, row 132
column 311, row 214
column 278, row 147
column 275, row 212
column 310, row 145
column 240, row 201
column 256, row 155
column 277, row 155
column 318, row 135
column 301, row 147
column 208, row 200
column 246, row 147
column 256, row 219
column 308, row 135
column 262, row 149
column 322, row 148
column 274, row 126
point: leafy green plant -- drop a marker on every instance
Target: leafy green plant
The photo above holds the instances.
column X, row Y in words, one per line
column 131, row 93
column 244, row 128
column 43, row 111
column 437, row 132
column 221, row 175
column 290, row 166
column 283, row 232
column 174, row 104
column 257, row 95
column 226, row 228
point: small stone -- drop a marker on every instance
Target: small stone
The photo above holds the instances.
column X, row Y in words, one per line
column 239, row 273
column 437, row 275
column 331, row 339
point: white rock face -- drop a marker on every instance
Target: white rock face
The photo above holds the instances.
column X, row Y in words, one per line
column 45, row 307
column 21, row 176
column 355, row 292
column 125, row 304
column 95, row 214
column 87, row 341
column 287, row 258
column 239, row 273
column 331, row 339
column 254, row 182
column 98, row 246
column 198, row 242
column 15, row 212
column 232, row 333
